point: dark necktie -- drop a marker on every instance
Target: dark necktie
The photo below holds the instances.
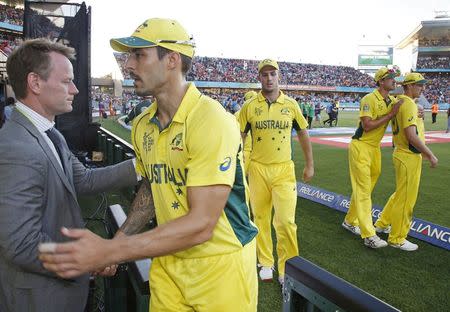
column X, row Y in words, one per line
column 57, row 142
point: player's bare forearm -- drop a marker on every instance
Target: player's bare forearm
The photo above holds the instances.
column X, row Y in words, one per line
column 305, row 143
column 369, row 124
column 88, row 252
column 243, row 137
column 197, row 226
column 141, row 211
column 414, row 140
column 308, row 171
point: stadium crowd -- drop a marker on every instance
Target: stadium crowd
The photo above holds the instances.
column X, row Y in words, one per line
column 438, row 87
column 8, row 43
column 245, row 71
column 11, row 15
column 238, row 70
column 439, row 62
column 437, row 42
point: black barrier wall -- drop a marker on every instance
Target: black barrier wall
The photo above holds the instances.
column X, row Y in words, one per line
column 68, row 23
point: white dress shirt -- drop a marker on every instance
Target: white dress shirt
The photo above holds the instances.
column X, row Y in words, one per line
column 42, row 124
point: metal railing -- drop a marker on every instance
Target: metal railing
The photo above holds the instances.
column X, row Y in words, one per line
column 308, row 287
column 129, row 289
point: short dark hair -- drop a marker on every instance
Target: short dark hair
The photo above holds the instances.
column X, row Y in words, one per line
column 32, row 56
column 186, row 61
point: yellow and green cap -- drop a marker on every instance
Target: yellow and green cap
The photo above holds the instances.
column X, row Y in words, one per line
column 267, row 62
column 166, row 33
column 385, row 72
column 414, row 78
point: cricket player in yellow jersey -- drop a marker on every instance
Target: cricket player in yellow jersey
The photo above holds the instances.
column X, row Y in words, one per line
column 204, row 244
column 409, row 141
column 248, row 142
column 270, row 117
column 376, row 110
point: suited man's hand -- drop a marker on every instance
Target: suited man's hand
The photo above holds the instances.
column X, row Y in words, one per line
column 86, row 253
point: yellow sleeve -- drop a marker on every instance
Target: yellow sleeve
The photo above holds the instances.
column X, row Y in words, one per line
column 366, row 107
column 408, row 114
column 242, row 118
column 136, row 140
column 212, row 157
column 298, row 117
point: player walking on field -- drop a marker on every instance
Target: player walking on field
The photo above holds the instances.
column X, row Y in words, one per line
column 409, row 141
column 375, row 112
column 270, row 117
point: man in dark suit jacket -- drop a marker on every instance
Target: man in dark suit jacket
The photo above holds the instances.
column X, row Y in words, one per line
column 40, row 180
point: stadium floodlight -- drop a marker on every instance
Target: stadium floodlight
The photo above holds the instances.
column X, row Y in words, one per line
column 441, row 14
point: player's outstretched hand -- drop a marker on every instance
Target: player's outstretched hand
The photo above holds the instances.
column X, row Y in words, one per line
column 86, row 253
column 396, row 107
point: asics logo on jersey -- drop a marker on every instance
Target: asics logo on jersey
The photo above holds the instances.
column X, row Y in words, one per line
column 226, row 164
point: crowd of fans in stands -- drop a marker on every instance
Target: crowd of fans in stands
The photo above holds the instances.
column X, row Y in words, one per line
column 438, row 87
column 437, row 42
column 8, row 43
column 237, row 70
column 11, row 15
column 439, row 62
column 245, row 71
column 104, row 99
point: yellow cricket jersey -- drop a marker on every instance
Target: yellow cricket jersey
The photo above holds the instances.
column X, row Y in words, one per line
column 248, row 139
column 200, row 147
column 407, row 116
column 374, row 106
column 271, row 126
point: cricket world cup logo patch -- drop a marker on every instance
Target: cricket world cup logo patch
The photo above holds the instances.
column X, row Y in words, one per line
column 177, row 142
column 147, row 142
column 285, row 111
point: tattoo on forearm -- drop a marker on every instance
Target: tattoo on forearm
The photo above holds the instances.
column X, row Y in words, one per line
column 142, row 210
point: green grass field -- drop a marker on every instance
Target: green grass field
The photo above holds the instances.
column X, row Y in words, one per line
column 416, row 281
